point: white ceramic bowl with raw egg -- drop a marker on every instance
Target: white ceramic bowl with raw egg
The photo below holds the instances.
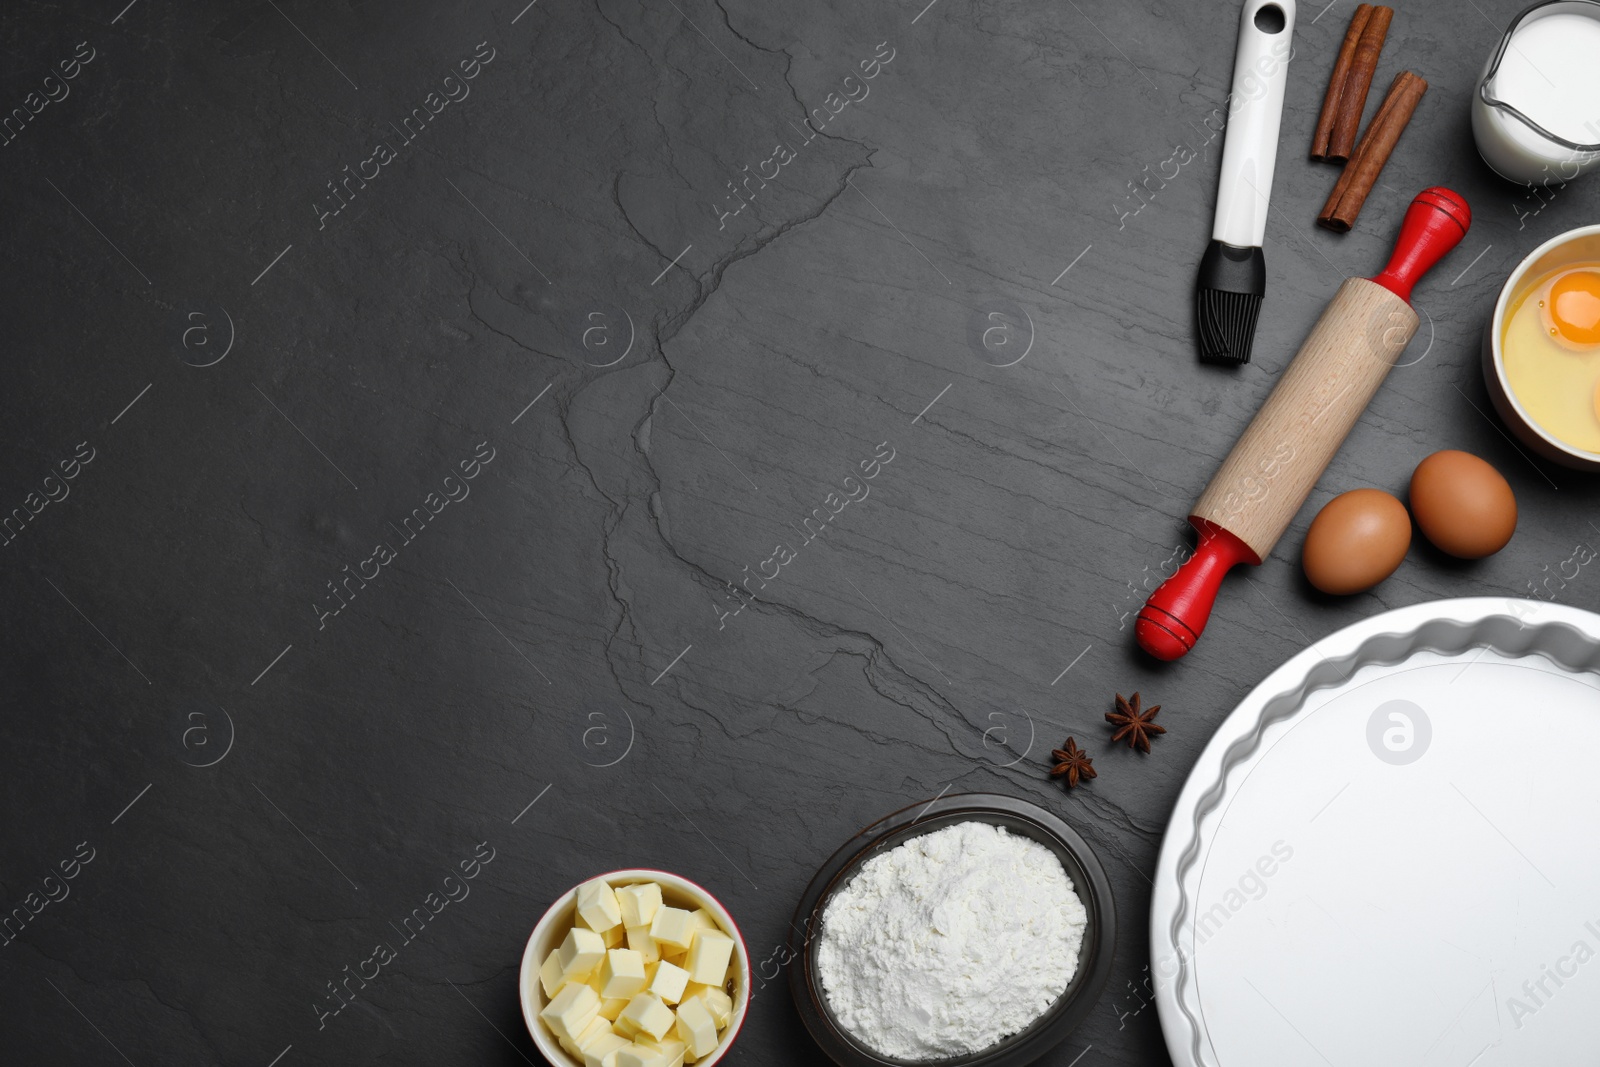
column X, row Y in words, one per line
column 676, row 891
column 1549, row 395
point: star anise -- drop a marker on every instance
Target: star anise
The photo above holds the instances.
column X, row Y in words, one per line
column 1134, row 724
column 1074, row 762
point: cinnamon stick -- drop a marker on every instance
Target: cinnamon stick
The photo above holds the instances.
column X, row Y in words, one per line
column 1336, row 83
column 1353, row 98
column 1366, row 162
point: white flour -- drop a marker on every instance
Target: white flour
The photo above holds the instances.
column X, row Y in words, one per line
column 949, row 942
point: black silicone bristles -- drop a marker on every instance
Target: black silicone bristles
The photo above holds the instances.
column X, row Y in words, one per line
column 1227, row 325
column 1227, row 302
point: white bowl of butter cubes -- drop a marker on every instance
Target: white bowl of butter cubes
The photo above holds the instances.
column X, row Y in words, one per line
column 635, row 968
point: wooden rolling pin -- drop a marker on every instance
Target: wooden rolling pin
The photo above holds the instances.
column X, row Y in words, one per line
column 1273, row 467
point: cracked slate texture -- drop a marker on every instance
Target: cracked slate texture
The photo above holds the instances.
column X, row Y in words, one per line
column 520, row 641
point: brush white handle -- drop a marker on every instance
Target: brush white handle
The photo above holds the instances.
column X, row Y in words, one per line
column 1255, row 107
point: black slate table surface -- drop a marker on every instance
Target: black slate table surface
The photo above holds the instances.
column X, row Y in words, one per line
column 408, row 406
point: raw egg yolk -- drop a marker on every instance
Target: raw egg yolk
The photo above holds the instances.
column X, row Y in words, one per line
column 1575, row 307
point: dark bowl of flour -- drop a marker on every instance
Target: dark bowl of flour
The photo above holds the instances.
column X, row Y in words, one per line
column 974, row 930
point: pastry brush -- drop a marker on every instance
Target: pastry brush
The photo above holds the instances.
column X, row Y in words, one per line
column 1233, row 271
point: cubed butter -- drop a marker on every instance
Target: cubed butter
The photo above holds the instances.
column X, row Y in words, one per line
column 551, row 975
column 597, row 904
column 718, row 1003
column 669, row 1044
column 701, row 919
column 645, row 1014
column 592, row 1032
column 639, row 903
column 640, row 941
column 673, row 928
column 622, row 974
column 610, row 1008
column 709, row 956
column 601, row 1052
column 570, row 1010
column 580, row 953
column 696, row 1027
column 670, row 1048
column 639, row 1056
column 616, row 937
column 669, row 982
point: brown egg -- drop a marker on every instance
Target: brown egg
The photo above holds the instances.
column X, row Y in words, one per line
column 1462, row 504
column 1356, row 541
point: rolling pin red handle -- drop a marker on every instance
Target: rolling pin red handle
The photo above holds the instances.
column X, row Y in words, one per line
column 1434, row 224
column 1171, row 620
